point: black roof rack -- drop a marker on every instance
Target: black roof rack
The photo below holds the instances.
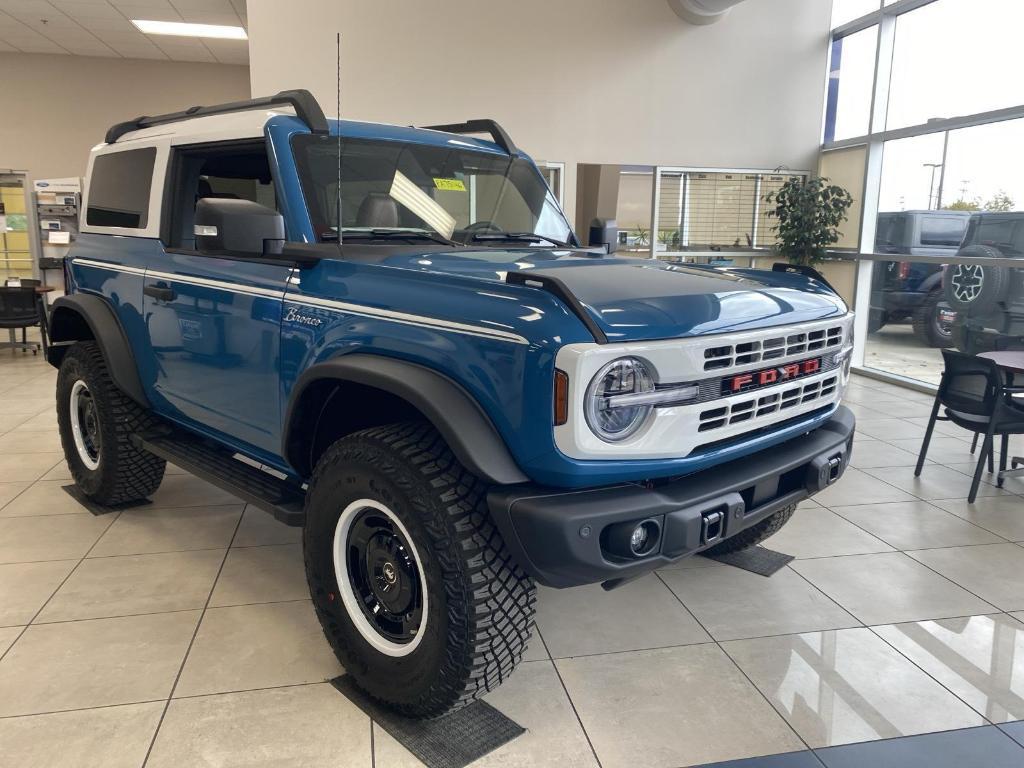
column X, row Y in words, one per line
column 306, row 107
column 498, row 134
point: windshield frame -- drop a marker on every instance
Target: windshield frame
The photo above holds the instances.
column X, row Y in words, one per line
column 324, row 230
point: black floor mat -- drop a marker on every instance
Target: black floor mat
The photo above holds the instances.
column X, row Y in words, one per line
column 452, row 741
column 758, row 560
column 98, row 509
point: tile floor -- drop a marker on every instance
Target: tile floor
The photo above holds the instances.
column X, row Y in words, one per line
column 179, row 634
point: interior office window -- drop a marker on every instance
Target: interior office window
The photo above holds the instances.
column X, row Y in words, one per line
column 956, row 57
column 851, row 75
column 633, row 209
column 848, row 10
column 119, row 188
column 721, row 210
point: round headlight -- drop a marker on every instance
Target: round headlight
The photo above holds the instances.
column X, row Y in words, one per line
column 608, row 410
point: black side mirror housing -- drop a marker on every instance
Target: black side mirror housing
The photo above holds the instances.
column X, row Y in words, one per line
column 604, row 233
column 224, row 225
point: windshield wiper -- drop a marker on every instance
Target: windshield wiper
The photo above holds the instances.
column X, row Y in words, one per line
column 518, row 236
column 388, row 234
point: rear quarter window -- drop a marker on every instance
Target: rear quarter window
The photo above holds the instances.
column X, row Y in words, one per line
column 943, row 230
column 119, row 188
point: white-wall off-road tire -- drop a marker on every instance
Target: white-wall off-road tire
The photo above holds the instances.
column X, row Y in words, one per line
column 394, row 523
column 96, row 421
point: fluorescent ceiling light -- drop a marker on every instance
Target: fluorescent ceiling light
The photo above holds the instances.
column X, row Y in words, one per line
column 184, row 29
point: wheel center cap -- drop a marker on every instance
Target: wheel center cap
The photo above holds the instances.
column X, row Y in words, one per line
column 390, row 573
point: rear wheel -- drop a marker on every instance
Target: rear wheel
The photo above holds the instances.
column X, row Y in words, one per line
column 753, row 535
column 928, row 324
column 96, row 421
column 412, row 583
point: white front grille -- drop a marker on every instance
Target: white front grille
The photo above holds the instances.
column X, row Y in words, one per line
column 721, row 358
column 756, row 407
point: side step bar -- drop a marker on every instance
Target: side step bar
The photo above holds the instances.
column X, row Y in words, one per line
column 282, row 499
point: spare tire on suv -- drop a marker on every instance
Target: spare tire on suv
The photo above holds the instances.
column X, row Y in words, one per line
column 973, row 288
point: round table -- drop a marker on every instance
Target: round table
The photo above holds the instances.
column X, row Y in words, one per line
column 1011, row 361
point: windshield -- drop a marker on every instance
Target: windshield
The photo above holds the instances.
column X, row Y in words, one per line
column 392, row 190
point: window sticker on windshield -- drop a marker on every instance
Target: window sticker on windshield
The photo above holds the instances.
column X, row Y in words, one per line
column 451, row 185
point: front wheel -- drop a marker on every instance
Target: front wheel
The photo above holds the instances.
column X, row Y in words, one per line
column 96, row 421
column 753, row 535
column 412, row 583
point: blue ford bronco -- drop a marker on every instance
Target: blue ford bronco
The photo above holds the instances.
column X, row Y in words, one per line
column 392, row 337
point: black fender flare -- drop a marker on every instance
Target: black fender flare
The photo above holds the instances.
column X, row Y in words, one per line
column 106, row 329
column 459, row 418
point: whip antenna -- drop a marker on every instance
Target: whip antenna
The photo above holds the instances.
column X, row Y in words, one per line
column 338, row 114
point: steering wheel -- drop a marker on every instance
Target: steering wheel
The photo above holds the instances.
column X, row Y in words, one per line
column 484, row 225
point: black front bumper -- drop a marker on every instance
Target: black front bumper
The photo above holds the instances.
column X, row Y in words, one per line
column 558, row 536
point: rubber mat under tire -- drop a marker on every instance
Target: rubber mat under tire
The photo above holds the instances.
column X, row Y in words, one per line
column 753, row 535
column 125, row 473
column 481, row 604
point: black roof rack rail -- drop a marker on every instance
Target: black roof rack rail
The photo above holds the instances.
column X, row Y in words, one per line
column 498, row 134
column 306, row 107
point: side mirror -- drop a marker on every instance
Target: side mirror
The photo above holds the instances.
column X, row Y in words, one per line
column 604, row 232
column 224, row 225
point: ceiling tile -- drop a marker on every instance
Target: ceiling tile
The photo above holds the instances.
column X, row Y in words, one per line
column 124, row 37
column 5, row 48
column 88, row 50
column 203, row 17
column 88, row 9
column 41, row 46
column 119, row 25
column 189, row 54
column 51, row 19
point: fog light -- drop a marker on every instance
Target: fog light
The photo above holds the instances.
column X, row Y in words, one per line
column 632, row 539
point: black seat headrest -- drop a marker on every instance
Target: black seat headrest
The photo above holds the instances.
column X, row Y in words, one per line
column 377, row 210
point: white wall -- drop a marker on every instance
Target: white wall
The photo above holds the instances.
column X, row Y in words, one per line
column 56, row 108
column 598, row 81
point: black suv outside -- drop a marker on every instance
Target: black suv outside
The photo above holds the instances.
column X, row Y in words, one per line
column 902, row 290
column 984, row 304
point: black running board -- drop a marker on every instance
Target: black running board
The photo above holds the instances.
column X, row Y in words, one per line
column 282, row 499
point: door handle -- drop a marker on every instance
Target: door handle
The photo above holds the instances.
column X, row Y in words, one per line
column 160, row 292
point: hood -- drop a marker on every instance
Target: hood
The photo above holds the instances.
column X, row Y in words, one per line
column 633, row 299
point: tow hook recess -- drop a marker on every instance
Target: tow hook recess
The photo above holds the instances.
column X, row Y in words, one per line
column 712, row 526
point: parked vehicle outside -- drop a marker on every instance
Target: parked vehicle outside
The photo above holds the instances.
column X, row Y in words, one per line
column 912, row 290
column 984, row 303
column 392, row 337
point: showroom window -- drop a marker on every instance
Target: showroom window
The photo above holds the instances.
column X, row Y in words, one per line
column 929, row 147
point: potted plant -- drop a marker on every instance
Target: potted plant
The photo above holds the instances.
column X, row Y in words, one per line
column 809, row 213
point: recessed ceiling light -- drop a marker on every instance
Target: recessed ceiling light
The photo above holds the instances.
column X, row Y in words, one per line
column 184, row 29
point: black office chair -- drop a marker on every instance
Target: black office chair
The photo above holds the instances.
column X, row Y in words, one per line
column 19, row 308
column 975, row 396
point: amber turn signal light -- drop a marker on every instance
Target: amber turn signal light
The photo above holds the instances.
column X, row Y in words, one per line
column 561, row 397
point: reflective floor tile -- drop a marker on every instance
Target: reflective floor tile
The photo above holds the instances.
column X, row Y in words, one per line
column 94, row 663
column 889, row 429
column 883, row 455
column 261, row 575
column 55, row 537
column 146, row 530
column 857, row 487
column 16, row 467
column 935, row 482
column 44, row 497
column 942, row 429
column 822, row 533
column 257, row 646
column 7, row 637
column 1015, row 731
column 25, row 587
column 27, row 405
column 994, row 572
column 586, row 620
column 904, row 409
column 1003, row 515
column 10, row 491
column 9, row 421
column 983, row 747
column 111, row 737
column 535, row 649
column 847, row 685
column 30, row 442
column 889, row 588
column 915, row 525
column 135, row 584
column 535, row 699
column 731, row 603
column 941, row 449
column 189, row 491
column 44, row 420
column 294, row 727
column 979, row 658
column 259, row 528
column 672, row 707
